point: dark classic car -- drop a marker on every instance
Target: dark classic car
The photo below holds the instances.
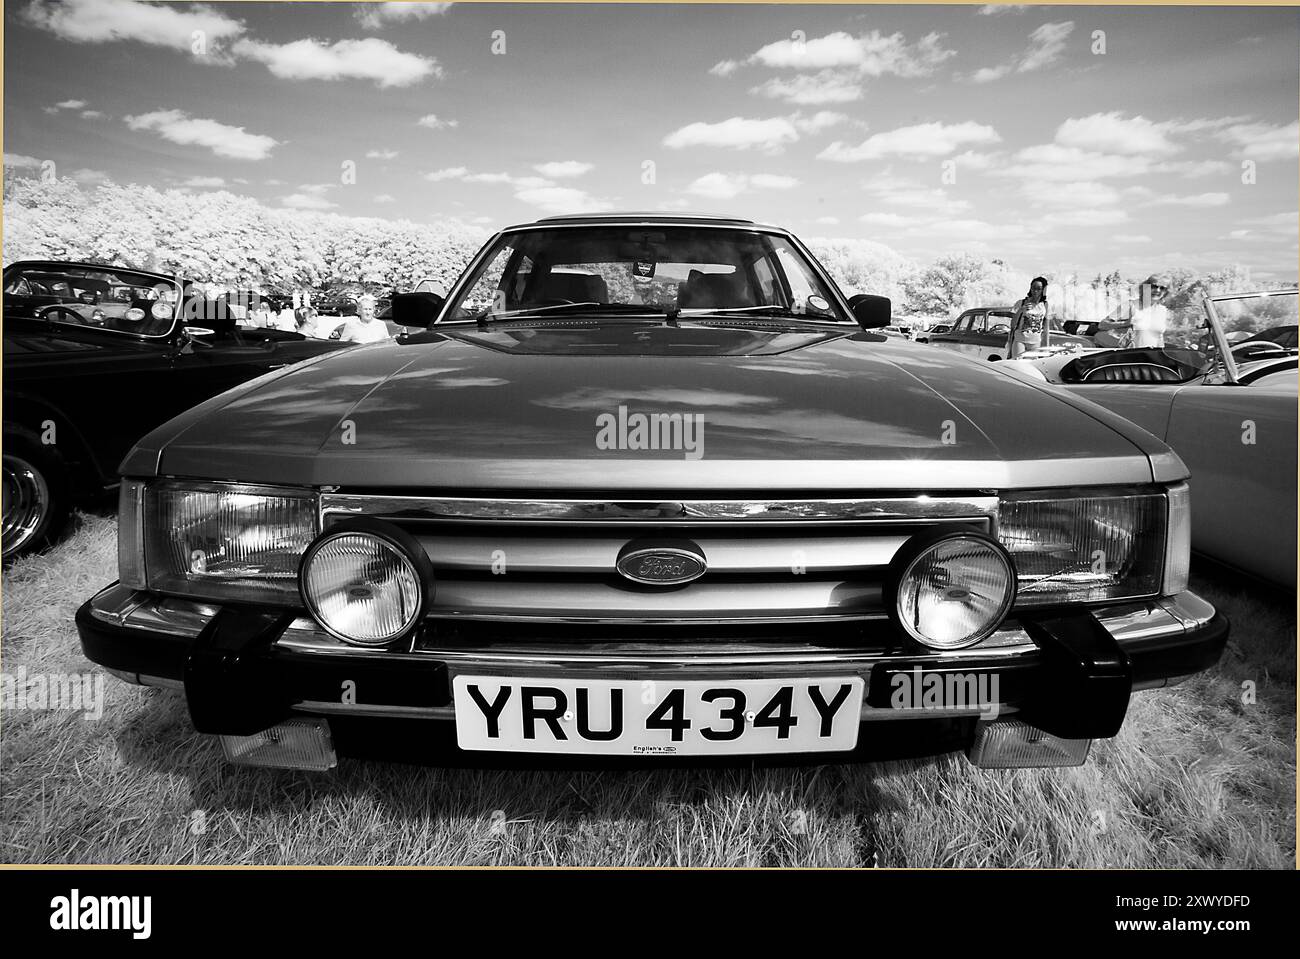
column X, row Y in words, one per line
column 581, row 520
column 94, row 358
column 982, row 333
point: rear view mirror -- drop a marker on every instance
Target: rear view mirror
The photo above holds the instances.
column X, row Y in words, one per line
column 416, row 309
column 871, row 312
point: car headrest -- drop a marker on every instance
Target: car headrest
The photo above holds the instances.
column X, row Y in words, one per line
column 710, row 290
column 578, row 287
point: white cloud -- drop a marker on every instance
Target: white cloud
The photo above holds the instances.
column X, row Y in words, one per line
column 885, row 219
column 204, row 182
column 1130, row 238
column 156, row 24
column 19, row 161
column 1046, row 44
column 91, row 115
column 384, row 198
column 1263, row 141
column 737, row 133
column 222, row 139
column 563, row 169
column 89, row 177
column 724, row 186
column 811, row 89
column 827, row 220
column 871, row 54
column 1089, row 217
column 920, row 141
column 71, row 105
column 724, row 68
column 367, row 59
column 448, row 173
column 381, row 154
column 1064, row 164
column 997, row 9
column 1198, row 200
column 434, row 122
column 819, row 121
column 1115, row 133
column 306, row 201
column 561, row 199
column 373, row 16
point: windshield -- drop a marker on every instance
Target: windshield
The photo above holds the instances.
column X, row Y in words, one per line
column 669, row 270
column 1256, row 326
column 105, row 298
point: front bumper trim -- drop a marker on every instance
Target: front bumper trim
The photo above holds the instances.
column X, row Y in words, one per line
column 151, row 640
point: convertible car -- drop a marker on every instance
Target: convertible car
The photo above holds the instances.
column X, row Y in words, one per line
column 1232, row 419
column 580, row 521
column 982, row 334
column 94, row 358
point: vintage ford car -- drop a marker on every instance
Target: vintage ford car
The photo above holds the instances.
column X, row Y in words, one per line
column 665, row 497
column 95, row 356
column 1229, row 414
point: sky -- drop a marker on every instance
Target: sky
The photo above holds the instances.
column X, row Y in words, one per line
column 1096, row 137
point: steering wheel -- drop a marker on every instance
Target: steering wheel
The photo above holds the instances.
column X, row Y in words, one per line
column 47, row 313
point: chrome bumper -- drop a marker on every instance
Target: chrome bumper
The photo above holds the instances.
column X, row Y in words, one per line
column 119, row 616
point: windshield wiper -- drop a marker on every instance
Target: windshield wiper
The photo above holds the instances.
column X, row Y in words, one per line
column 561, row 308
column 766, row 310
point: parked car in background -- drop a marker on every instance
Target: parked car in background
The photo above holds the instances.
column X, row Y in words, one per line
column 738, row 523
column 1274, row 343
column 923, row 336
column 1231, row 417
column 981, row 333
column 79, row 389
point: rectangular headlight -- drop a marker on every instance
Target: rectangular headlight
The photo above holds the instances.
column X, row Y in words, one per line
column 227, row 542
column 1072, row 549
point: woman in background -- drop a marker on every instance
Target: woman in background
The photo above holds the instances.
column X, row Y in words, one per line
column 1029, row 327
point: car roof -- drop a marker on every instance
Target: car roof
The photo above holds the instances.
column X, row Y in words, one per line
column 55, row 265
column 657, row 218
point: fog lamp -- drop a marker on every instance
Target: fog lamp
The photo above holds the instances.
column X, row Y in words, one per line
column 951, row 589
column 366, row 582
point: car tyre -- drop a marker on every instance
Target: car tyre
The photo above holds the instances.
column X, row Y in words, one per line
column 35, row 494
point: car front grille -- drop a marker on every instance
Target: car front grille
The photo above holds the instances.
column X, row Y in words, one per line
column 770, row 562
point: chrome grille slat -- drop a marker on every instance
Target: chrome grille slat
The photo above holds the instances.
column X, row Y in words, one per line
column 769, row 561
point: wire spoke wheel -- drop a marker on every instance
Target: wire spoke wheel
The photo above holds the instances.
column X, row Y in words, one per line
column 26, row 503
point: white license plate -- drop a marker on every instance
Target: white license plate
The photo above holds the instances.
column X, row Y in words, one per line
column 657, row 717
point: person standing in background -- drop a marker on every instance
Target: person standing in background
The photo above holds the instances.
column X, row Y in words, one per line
column 1029, row 326
column 364, row 327
column 1148, row 319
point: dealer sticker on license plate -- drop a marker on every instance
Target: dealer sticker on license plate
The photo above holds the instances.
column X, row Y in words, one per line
column 657, row 717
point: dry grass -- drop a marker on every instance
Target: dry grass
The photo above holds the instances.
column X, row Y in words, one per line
column 1196, row 778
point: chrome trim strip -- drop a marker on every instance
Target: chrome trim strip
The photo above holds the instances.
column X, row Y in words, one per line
column 679, row 512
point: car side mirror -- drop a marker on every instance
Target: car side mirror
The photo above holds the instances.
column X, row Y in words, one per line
column 416, row 309
column 871, row 312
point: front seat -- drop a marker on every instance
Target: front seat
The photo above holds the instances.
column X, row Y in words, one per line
column 717, row 291
column 575, row 287
column 1132, row 373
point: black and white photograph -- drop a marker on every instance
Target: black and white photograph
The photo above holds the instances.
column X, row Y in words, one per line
column 619, row 435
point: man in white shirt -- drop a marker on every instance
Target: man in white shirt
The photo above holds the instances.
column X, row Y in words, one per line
column 362, row 328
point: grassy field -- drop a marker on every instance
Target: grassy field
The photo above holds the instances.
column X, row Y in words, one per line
column 1197, row 778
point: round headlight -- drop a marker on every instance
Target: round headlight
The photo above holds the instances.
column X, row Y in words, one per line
column 952, row 590
column 161, row 310
column 366, row 582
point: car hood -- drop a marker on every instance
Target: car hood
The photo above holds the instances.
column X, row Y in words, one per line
column 555, row 407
